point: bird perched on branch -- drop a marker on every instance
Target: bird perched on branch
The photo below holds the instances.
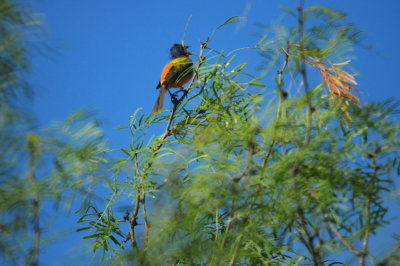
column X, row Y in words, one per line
column 175, row 74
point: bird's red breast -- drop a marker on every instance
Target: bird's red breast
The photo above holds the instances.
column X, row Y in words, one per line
column 183, row 80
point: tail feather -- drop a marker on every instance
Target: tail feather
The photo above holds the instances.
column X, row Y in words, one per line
column 160, row 100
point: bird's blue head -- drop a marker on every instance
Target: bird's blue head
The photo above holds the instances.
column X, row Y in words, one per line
column 178, row 50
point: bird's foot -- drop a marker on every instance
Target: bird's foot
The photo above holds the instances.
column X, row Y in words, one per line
column 174, row 98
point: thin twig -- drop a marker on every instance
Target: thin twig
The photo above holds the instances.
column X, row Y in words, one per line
column 234, row 256
column 36, row 229
column 35, row 205
column 334, row 229
column 266, row 157
column 364, row 251
column 310, row 239
column 230, row 222
column 252, row 149
column 280, row 71
column 295, row 83
column 315, row 252
column 394, row 254
column 127, row 238
column 133, row 221
column 233, row 259
column 143, row 201
column 228, row 226
column 134, row 217
column 216, row 225
column 146, row 222
column 281, row 98
column 303, row 70
column 340, row 237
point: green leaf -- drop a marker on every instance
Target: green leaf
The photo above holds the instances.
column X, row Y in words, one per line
column 125, row 151
column 83, row 228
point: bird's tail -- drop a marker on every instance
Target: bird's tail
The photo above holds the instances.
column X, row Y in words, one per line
column 160, row 100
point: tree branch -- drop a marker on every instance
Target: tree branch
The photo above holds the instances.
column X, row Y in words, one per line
column 146, row 222
column 364, row 251
column 303, row 70
column 309, row 238
column 167, row 132
column 340, row 237
column 234, row 256
column 33, row 142
column 282, row 96
column 133, row 222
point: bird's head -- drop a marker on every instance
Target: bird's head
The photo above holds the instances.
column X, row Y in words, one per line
column 178, row 50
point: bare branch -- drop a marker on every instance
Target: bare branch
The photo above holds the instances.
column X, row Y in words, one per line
column 133, row 222
column 303, row 70
column 340, row 237
column 309, row 238
column 33, row 142
column 282, row 96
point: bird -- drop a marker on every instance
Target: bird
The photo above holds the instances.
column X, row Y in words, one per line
column 175, row 74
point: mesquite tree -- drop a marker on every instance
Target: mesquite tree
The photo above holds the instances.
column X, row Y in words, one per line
column 39, row 168
column 286, row 165
column 240, row 176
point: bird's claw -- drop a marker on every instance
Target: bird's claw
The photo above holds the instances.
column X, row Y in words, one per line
column 174, row 99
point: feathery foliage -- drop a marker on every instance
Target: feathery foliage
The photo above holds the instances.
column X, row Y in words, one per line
column 239, row 177
column 285, row 167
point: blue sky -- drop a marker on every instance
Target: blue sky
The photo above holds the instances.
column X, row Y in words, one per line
column 108, row 55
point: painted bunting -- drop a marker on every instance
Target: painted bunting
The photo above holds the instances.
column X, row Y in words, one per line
column 175, row 74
